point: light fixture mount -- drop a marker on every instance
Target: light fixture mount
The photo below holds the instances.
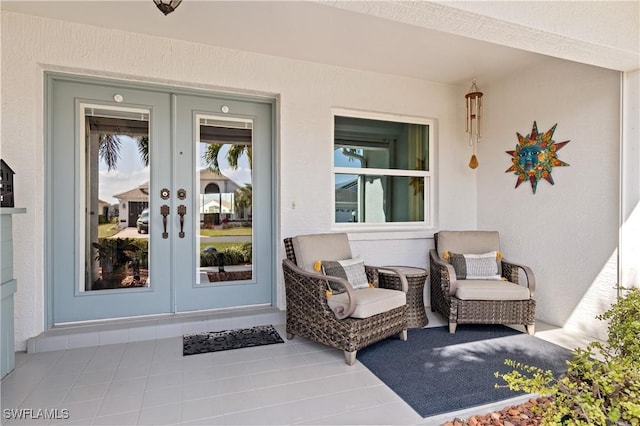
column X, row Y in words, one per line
column 167, row 6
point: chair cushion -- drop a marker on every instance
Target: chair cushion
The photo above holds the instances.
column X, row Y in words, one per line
column 313, row 247
column 472, row 242
column 351, row 270
column 369, row 301
column 485, row 266
column 491, row 290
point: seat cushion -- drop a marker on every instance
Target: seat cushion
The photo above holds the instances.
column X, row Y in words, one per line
column 369, row 301
column 490, row 290
column 472, row 242
column 313, row 247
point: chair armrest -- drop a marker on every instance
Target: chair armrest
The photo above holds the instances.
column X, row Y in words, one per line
column 403, row 278
column 510, row 272
column 340, row 312
column 450, row 273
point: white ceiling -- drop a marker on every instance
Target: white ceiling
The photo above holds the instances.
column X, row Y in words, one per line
column 448, row 42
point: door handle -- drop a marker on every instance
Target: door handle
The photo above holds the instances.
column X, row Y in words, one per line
column 182, row 210
column 164, row 211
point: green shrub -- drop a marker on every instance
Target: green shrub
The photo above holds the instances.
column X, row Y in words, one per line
column 142, row 251
column 114, row 253
column 227, row 225
column 233, row 255
column 207, row 259
column 602, row 383
column 247, row 251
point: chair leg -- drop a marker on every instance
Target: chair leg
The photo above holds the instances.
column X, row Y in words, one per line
column 452, row 327
column 350, row 357
column 290, row 336
column 403, row 335
column 531, row 329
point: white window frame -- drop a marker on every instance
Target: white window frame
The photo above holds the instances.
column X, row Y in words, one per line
column 428, row 175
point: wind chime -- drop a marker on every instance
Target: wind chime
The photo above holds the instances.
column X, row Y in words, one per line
column 474, row 116
column 167, row 6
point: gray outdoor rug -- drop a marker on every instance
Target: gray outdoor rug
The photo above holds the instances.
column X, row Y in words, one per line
column 200, row 343
column 436, row 372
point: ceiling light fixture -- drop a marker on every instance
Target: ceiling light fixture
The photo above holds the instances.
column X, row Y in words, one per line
column 474, row 118
column 167, row 6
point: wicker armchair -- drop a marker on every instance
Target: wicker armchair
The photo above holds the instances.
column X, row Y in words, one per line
column 479, row 301
column 309, row 313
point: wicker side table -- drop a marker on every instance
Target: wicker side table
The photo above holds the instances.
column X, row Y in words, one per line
column 416, row 278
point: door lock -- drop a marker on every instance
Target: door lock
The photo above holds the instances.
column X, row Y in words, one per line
column 182, row 194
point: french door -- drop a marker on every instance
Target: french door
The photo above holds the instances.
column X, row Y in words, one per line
column 157, row 201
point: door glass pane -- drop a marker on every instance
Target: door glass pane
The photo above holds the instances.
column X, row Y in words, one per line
column 225, row 201
column 116, row 198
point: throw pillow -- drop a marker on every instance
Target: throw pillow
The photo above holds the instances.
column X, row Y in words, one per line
column 485, row 266
column 350, row 269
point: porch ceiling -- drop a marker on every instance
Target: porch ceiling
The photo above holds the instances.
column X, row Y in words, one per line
column 449, row 42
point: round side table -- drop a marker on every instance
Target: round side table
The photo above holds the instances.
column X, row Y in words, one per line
column 416, row 278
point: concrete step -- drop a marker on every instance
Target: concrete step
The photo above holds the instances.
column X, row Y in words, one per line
column 123, row 330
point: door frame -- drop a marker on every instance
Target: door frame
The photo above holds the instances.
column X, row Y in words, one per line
column 49, row 76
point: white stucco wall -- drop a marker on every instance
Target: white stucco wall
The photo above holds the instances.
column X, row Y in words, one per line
column 566, row 232
column 306, row 94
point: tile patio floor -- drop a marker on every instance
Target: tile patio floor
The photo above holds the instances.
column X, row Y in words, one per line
column 150, row 382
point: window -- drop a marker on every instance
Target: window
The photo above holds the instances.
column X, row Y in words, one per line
column 382, row 172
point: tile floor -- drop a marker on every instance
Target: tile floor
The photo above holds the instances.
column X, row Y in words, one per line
column 151, row 383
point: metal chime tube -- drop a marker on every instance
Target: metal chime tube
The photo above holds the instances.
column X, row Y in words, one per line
column 468, row 114
column 473, row 103
column 478, row 114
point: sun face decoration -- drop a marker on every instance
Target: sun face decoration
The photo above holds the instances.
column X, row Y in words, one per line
column 534, row 157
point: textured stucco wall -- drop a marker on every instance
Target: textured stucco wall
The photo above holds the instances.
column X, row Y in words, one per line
column 566, row 232
column 306, row 94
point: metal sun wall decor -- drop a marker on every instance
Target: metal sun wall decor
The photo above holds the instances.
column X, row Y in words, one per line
column 534, row 157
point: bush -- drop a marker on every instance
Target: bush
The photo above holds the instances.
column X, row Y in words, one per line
column 233, row 255
column 142, row 251
column 602, row 383
column 227, row 225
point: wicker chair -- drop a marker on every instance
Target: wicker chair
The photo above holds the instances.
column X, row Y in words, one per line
column 309, row 313
column 468, row 301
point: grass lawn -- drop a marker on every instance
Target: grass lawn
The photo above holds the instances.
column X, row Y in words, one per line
column 106, row 230
column 226, row 232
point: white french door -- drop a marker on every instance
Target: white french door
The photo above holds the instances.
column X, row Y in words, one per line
column 157, row 201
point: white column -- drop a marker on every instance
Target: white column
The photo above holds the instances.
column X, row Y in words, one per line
column 629, row 246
